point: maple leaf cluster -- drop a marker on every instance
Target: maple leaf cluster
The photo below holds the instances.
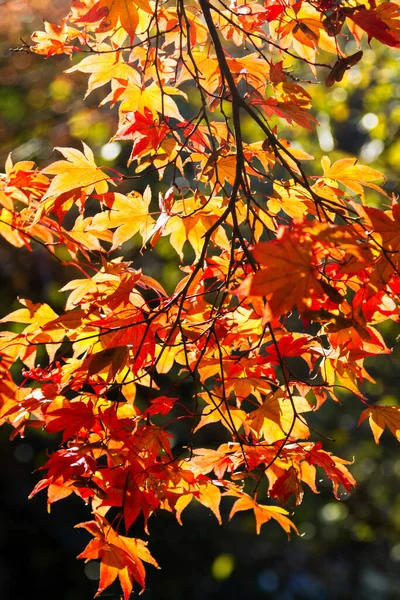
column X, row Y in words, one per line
column 288, row 269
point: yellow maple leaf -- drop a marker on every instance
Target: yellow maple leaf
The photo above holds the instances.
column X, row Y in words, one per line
column 217, row 410
column 275, row 418
column 35, row 315
column 190, row 221
column 210, row 497
column 11, row 228
column 352, row 175
column 291, row 199
column 129, row 214
column 103, row 67
column 80, row 287
column 86, row 235
column 158, row 99
column 79, row 171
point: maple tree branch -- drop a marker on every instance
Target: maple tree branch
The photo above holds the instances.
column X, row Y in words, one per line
column 290, row 396
column 236, row 99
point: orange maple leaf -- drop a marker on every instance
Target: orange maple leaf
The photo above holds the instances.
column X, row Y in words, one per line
column 110, row 15
column 53, row 40
column 206, row 493
column 288, row 276
column 276, row 418
column 120, row 556
column 333, row 466
column 386, row 235
column 262, row 512
column 381, row 416
column 352, row 175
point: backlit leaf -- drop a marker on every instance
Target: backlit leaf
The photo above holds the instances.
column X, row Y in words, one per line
column 79, row 171
column 381, row 416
